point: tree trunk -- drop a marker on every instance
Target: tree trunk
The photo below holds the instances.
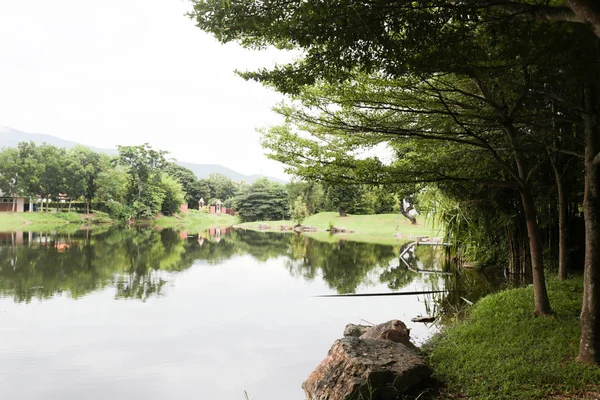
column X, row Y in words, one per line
column 343, row 212
column 541, row 300
column 587, row 11
column 563, row 249
column 589, row 346
column 406, row 212
column 70, row 203
column 540, row 294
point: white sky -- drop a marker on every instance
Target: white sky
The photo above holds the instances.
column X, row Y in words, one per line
column 126, row 72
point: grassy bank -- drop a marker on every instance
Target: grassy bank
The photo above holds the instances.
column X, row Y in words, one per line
column 195, row 221
column 43, row 221
column 502, row 352
column 379, row 228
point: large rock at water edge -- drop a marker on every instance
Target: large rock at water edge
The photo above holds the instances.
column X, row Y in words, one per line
column 372, row 368
column 356, row 330
column 394, row 330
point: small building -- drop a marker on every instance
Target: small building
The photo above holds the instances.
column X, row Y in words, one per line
column 7, row 203
column 201, row 203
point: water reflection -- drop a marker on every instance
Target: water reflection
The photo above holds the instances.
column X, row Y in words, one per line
column 139, row 262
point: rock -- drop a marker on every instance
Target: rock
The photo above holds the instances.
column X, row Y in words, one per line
column 358, row 368
column 394, row 330
column 355, row 330
column 425, row 318
column 264, row 227
column 301, row 228
column 337, row 229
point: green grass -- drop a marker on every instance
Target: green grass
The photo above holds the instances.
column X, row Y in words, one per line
column 379, row 228
column 502, row 352
column 195, row 222
column 44, row 221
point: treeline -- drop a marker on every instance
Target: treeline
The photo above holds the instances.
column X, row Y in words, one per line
column 141, row 182
column 138, row 183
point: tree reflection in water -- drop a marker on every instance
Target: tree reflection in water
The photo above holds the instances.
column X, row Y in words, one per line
column 139, row 262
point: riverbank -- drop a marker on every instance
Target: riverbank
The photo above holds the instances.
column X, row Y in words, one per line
column 43, row 221
column 378, row 228
column 502, row 352
column 194, row 221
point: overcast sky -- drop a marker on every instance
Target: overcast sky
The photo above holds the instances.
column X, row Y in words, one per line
column 126, row 72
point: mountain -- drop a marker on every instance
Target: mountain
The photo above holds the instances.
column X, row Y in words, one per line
column 11, row 137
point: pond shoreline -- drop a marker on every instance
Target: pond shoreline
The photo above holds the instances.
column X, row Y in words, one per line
column 193, row 221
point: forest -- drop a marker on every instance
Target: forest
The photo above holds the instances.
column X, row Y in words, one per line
column 491, row 107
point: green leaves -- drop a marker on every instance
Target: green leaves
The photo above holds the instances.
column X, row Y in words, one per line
column 263, row 200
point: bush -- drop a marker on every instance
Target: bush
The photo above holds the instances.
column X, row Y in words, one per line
column 120, row 211
column 70, row 216
column 99, row 217
column 299, row 211
column 174, row 196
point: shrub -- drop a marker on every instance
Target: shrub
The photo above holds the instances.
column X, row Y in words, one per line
column 299, row 211
column 120, row 211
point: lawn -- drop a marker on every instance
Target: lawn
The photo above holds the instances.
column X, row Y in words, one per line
column 501, row 351
column 194, row 221
column 379, row 228
column 43, row 221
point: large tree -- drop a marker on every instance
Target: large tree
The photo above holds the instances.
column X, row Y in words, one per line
column 263, row 200
column 427, row 38
column 144, row 165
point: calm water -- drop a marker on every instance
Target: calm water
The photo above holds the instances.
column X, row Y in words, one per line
column 128, row 314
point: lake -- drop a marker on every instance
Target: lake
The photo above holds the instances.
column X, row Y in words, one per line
column 124, row 313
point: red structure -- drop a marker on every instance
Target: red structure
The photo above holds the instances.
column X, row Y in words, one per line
column 219, row 209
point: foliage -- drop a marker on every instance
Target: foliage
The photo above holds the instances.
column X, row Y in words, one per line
column 174, row 195
column 121, row 212
column 263, row 200
column 190, row 185
column 299, row 211
column 221, row 187
column 92, row 164
column 311, row 192
column 112, row 185
column 145, row 193
column 346, row 199
column 486, row 92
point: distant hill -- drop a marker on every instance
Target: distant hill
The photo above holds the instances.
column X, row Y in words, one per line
column 11, row 137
